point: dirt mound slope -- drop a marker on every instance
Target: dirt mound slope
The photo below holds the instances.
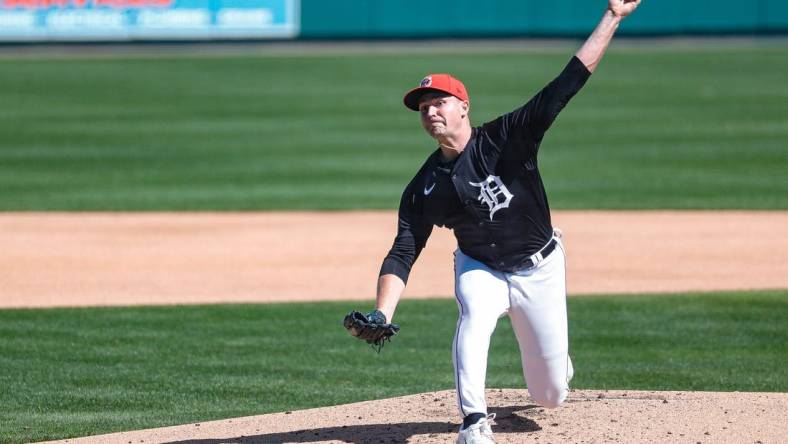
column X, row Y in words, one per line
column 589, row 417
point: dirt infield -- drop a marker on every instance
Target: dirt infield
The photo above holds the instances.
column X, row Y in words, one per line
column 589, row 417
column 79, row 259
column 53, row 259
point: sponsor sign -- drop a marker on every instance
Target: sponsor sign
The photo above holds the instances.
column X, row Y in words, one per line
column 64, row 20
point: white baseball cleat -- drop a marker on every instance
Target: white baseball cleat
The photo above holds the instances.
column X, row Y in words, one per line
column 479, row 433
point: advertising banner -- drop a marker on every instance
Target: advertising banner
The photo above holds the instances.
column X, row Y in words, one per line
column 99, row 20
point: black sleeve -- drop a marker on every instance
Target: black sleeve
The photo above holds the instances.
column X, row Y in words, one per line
column 412, row 234
column 532, row 120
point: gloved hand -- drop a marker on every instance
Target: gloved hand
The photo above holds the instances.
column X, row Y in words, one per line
column 371, row 327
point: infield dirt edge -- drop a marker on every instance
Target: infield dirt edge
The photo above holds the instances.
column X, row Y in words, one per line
column 100, row 259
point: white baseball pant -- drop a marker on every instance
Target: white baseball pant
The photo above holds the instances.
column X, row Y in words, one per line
column 535, row 300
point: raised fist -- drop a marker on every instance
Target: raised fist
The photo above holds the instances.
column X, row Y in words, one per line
column 622, row 8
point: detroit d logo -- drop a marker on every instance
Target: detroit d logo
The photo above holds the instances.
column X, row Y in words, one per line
column 494, row 193
column 426, row 82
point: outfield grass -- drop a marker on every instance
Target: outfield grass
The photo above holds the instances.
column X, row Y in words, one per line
column 660, row 128
column 72, row 372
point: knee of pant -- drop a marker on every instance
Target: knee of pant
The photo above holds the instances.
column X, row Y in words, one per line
column 550, row 398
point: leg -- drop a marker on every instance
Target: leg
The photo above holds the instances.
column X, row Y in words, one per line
column 482, row 298
column 538, row 314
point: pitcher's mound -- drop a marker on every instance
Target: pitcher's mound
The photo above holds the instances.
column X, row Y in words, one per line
column 590, row 416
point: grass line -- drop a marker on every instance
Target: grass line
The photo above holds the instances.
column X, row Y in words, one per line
column 74, row 372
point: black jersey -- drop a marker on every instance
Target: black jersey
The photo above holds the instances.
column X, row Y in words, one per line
column 491, row 195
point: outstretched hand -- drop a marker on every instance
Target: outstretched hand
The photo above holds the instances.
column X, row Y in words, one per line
column 622, row 8
column 371, row 327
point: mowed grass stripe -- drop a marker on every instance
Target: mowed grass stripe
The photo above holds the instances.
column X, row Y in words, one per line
column 73, row 372
column 666, row 128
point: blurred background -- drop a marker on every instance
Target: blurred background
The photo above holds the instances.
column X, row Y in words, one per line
column 65, row 20
column 286, row 104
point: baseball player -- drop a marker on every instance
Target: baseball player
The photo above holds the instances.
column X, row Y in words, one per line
column 484, row 183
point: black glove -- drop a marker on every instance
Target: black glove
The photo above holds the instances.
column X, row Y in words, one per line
column 371, row 327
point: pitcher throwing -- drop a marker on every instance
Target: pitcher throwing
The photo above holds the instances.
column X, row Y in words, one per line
column 484, row 183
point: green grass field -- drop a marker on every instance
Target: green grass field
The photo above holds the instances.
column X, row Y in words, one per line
column 654, row 128
column 658, row 127
column 73, row 372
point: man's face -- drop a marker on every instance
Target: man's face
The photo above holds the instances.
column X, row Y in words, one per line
column 442, row 114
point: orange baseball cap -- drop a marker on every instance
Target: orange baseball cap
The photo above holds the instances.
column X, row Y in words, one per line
column 444, row 83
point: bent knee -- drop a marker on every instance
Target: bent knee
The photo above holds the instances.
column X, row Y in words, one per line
column 550, row 398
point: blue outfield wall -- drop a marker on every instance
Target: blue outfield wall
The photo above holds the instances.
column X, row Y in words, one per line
column 507, row 18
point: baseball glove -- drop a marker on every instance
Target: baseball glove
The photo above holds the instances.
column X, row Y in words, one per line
column 371, row 327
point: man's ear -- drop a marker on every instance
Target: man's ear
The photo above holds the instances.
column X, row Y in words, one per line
column 465, row 107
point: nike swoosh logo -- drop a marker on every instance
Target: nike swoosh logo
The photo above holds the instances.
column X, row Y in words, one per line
column 428, row 190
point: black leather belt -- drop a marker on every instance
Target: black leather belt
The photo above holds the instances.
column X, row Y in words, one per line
column 540, row 255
